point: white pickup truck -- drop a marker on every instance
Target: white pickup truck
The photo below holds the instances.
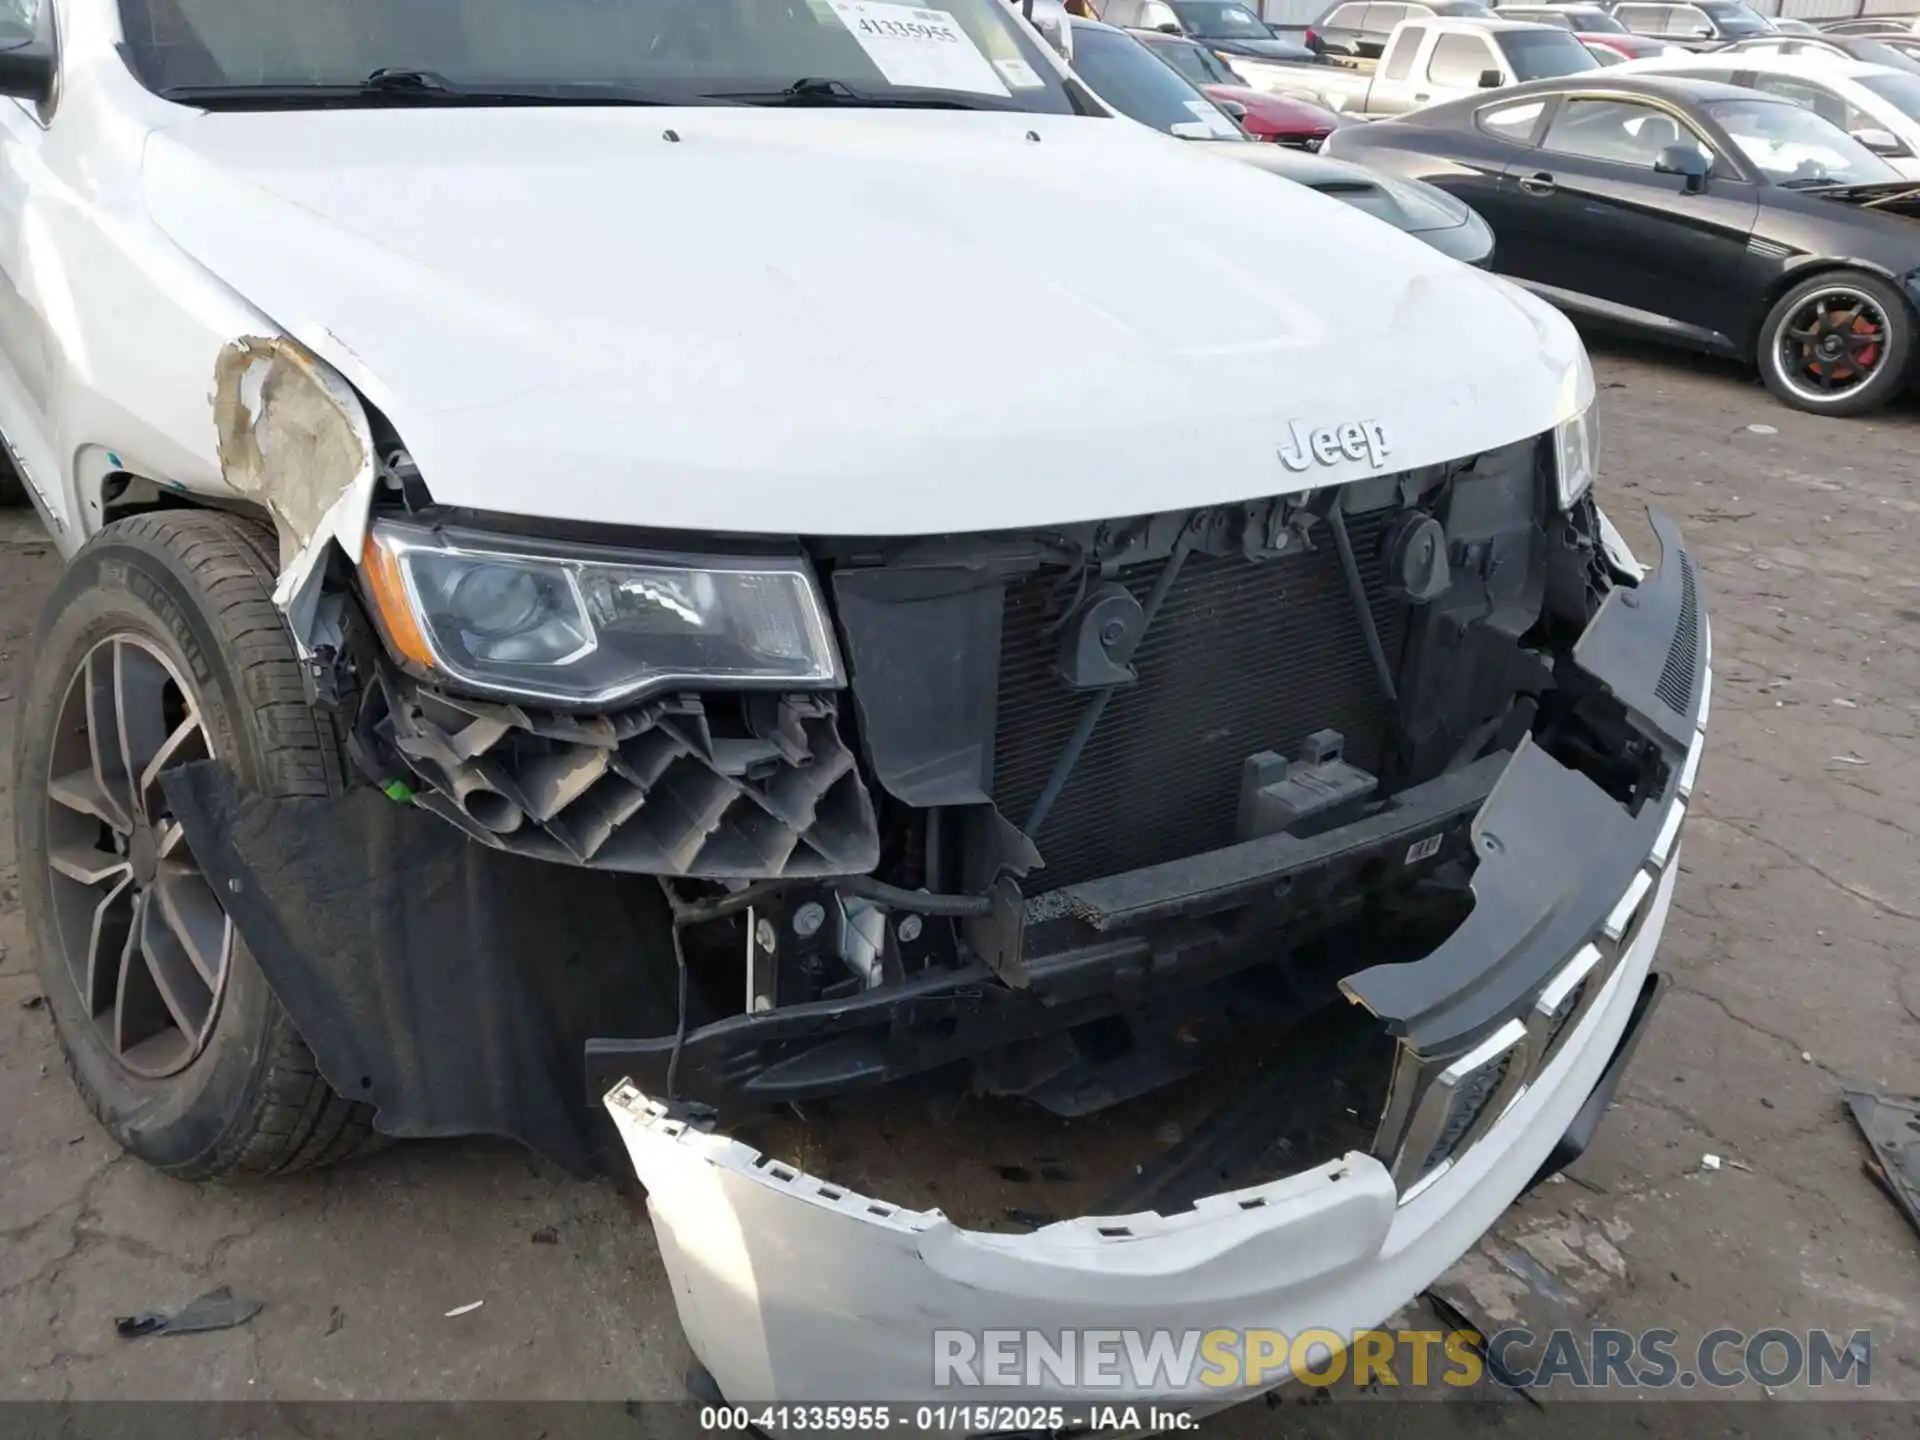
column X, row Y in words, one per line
column 1428, row 61
column 673, row 553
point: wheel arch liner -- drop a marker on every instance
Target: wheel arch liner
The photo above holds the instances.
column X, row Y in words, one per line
column 451, row 986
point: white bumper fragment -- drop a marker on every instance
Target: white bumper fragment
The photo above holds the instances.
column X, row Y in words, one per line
column 791, row 1288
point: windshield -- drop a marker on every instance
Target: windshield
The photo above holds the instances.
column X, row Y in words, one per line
column 1898, row 88
column 1219, row 21
column 1540, row 54
column 1198, row 65
column 1792, row 146
column 1124, row 73
column 1737, row 19
column 1874, row 52
column 965, row 52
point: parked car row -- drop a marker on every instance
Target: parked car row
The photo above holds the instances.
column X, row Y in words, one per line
column 1593, row 27
column 1427, row 61
column 1136, row 77
column 1877, row 105
column 1289, row 120
column 1752, row 202
column 1717, row 216
column 1356, row 32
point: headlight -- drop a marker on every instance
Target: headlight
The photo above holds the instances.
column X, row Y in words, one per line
column 1576, row 440
column 582, row 625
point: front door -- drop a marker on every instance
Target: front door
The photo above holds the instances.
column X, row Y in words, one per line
column 29, row 265
column 1590, row 218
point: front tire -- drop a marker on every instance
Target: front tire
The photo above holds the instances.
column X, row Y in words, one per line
column 1837, row 344
column 162, row 646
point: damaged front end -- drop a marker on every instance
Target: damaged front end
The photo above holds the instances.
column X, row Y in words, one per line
column 1503, row 1044
column 1349, row 815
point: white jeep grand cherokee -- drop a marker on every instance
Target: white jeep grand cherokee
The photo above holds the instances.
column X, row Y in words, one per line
column 666, row 550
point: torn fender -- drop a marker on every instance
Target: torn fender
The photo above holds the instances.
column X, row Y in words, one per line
column 295, row 439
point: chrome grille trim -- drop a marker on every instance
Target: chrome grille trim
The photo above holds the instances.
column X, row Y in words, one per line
column 1628, row 910
column 1558, row 1009
column 1669, row 832
column 1436, row 1105
column 1692, row 767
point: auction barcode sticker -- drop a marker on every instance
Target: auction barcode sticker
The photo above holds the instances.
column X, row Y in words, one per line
column 925, row 49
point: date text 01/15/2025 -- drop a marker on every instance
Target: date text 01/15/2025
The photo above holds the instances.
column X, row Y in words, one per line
column 977, row 1419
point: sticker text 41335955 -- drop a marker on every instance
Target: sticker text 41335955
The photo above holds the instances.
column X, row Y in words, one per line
column 918, row 48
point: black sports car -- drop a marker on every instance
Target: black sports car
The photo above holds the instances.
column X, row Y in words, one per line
column 1708, row 216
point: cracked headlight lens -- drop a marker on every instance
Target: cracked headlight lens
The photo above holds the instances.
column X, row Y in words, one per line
column 582, row 625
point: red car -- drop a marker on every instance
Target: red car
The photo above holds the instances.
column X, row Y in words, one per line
column 1631, row 47
column 1592, row 26
column 1285, row 120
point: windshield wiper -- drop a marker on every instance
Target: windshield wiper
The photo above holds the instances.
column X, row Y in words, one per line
column 392, row 78
column 398, row 86
column 813, row 90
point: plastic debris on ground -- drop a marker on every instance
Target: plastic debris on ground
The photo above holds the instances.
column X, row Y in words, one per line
column 1891, row 1125
column 216, row 1310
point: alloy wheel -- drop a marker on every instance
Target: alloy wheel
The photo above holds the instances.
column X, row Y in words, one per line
column 1832, row 344
column 146, row 940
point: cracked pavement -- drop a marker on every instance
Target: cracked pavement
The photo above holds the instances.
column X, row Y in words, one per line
column 1792, row 948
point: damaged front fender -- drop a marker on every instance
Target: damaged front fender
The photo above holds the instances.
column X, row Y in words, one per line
column 295, row 439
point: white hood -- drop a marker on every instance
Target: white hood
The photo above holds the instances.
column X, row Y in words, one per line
column 844, row 321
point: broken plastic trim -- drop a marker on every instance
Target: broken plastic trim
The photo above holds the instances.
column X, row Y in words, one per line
column 659, row 789
column 1452, row 1079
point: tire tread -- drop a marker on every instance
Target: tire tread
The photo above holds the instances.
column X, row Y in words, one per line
column 296, row 1122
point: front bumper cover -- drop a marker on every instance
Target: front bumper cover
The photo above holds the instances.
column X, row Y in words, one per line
column 792, row 1288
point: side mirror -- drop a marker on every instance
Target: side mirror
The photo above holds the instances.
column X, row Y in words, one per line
column 1687, row 162
column 1235, row 111
column 1168, row 27
column 27, row 66
column 1881, row 142
column 1491, row 79
column 1700, row 32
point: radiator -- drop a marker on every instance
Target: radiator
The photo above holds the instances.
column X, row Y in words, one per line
column 1244, row 656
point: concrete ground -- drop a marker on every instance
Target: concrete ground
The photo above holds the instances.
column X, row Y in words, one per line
column 1793, row 947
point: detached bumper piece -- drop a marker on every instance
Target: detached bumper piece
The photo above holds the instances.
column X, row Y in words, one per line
column 1555, row 853
column 664, row 789
column 1510, row 1036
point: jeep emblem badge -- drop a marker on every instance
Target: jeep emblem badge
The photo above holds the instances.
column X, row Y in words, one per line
column 1329, row 445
